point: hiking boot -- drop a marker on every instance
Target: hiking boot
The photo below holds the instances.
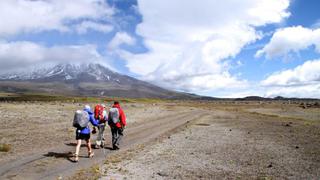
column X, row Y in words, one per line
column 115, row 147
column 90, row 154
column 75, row 158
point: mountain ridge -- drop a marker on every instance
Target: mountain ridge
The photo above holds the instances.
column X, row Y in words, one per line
column 91, row 79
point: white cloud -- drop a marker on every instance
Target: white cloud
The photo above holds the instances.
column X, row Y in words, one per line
column 291, row 39
column 24, row 16
column 15, row 55
column 305, row 74
column 190, row 41
column 302, row 81
column 89, row 25
column 119, row 39
column 307, row 91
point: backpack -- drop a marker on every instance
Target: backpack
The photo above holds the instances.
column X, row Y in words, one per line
column 98, row 112
column 114, row 115
column 81, row 119
column 105, row 117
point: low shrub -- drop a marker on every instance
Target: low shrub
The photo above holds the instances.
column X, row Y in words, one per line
column 5, row 147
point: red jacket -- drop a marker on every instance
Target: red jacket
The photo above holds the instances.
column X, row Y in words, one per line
column 122, row 116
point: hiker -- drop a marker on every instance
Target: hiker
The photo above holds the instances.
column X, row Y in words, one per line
column 83, row 130
column 100, row 113
column 117, row 123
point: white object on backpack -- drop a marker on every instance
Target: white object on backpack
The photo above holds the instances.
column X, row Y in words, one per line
column 114, row 115
column 105, row 115
column 81, row 119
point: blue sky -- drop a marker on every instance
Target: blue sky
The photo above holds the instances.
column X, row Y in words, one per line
column 259, row 47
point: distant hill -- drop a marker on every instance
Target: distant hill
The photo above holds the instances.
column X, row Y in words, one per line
column 84, row 80
column 258, row 98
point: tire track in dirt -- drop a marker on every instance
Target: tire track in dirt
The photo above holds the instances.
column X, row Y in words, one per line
column 46, row 166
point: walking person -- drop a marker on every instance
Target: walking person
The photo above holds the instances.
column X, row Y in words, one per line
column 101, row 113
column 117, row 123
column 81, row 122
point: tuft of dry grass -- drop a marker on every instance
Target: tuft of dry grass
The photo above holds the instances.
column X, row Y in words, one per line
column 93, row 173
column 5, row 147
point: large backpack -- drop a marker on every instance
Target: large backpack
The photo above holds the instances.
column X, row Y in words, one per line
column 105, row 117
column 98, row 112
column 114, row 115
column 81, row 119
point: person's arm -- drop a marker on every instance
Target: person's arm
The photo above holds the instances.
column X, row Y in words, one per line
column 122, row 118
column 93, row 121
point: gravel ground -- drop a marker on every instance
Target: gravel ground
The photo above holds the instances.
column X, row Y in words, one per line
column 31, row 128
column 231, row 141
column 226, row 145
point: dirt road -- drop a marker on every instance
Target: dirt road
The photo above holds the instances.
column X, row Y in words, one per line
column 56, row 163
column 218, row 141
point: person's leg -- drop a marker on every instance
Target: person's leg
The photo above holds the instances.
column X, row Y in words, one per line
column 99, row 137
column 102, row 128
column 90, row 152
column 89, row 145
column 114, row 133
column 76, row 154
column 119, row 137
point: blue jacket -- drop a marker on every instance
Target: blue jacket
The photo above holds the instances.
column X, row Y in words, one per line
column 92, row 120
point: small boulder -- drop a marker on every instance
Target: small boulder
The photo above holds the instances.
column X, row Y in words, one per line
column 162, row 174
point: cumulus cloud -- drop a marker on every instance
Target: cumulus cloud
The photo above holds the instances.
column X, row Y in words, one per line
column 14, row 55
column 307, row 91
column 24, row 16
column 302, row 81
column 189, row 42
column 84, row 26
column 291, row 39
column 305, row 74
column 119, row 39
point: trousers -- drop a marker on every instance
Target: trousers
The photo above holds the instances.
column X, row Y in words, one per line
column 117, row 134
column 100, row 136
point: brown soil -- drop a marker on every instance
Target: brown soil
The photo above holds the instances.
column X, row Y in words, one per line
column 218, row 141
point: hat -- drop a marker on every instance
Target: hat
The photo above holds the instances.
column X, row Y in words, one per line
column 87, row 107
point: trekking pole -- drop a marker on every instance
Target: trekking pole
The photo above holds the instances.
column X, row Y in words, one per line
column 103, row 140
column 104, row 151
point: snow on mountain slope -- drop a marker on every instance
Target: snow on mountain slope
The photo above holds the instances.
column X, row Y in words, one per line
column 84, row 80
column 65, row 72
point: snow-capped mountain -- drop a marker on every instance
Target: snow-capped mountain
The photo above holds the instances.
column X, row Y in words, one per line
column 83, row 79
column 66, row 72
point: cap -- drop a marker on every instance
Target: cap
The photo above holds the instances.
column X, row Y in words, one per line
column 87, row 107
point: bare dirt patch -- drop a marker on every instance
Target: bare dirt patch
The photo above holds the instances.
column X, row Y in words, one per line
column 29, row 128
column 221, row 140
column 235, row 145
column 50, row 138
column 294, row 112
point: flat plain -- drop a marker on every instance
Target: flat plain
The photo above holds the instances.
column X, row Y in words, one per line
column 166, row 140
